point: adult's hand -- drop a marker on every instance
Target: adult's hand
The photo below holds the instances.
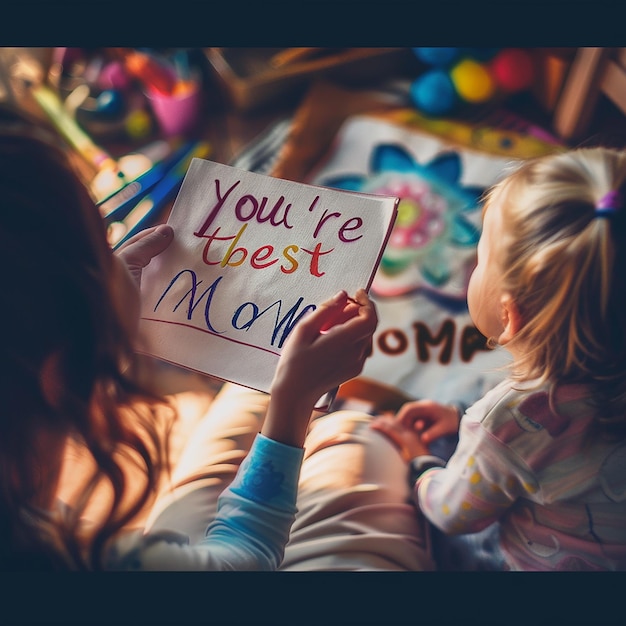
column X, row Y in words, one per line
column 326, row 348
column 140, row 249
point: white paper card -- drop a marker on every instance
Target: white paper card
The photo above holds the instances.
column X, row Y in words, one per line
column 251, row 255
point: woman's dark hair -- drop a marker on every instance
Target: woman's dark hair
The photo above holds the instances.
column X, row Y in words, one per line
column 58, row 307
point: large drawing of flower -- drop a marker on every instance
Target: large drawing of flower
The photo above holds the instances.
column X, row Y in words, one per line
column 432, row 245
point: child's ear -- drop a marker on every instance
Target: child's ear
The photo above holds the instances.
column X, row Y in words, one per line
column 511, row 319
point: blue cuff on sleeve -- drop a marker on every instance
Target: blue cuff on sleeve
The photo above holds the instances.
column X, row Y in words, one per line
column 269, row 473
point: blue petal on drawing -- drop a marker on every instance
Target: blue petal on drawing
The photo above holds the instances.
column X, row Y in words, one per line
column 447, row 167
column 433, row 242
column 390, row 158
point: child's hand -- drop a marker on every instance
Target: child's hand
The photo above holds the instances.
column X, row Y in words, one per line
column 431, row 419
column 406, row 438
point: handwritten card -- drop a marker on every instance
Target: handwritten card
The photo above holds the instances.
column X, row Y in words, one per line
column 251, row 256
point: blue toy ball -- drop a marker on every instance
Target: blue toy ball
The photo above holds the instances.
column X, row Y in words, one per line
column 438, row 57
column 109, row 103
column 433, row 93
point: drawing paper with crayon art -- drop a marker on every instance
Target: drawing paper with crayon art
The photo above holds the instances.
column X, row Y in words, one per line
column 251, row 255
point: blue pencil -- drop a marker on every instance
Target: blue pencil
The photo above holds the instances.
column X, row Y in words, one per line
column 118, row 205
column 148, row 210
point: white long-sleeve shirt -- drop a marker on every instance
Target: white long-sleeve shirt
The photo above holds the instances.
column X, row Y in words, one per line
column 254, row 517
column 526, row 463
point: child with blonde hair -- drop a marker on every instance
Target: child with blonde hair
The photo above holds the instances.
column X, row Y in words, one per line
column 541, row 458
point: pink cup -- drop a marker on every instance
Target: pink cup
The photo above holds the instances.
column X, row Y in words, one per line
column 176, row 114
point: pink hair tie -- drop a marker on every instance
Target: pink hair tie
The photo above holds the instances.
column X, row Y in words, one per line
column 609, row 204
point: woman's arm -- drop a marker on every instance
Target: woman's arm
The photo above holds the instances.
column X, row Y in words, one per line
column 255, row 513
column 325, row 349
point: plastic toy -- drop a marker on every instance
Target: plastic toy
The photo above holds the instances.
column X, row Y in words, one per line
column 472, row 81
column 512, row 69
column 110, row 103
column 138, row 124
column 434, row 93
column 459, row 76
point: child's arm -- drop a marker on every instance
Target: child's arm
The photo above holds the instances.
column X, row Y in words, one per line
column 481, row 481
